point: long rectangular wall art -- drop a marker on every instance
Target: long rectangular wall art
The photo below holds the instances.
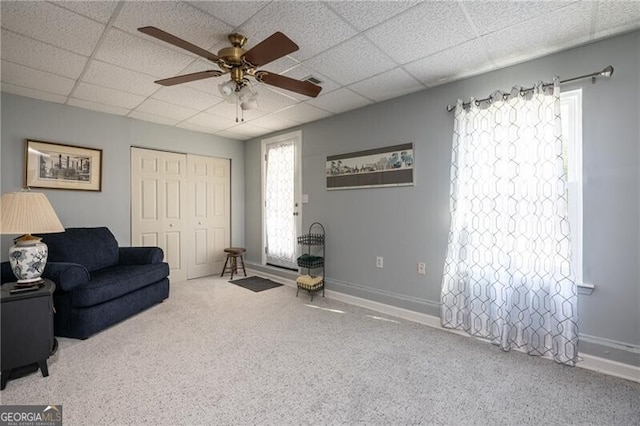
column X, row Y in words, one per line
column 388, row 166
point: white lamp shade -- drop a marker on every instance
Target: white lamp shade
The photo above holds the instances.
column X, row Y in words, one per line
column 27, row 213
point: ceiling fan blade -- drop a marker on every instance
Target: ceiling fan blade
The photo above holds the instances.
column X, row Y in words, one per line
column 303, row 87
column 188, row 77
column 176, row 41
column 273, row 47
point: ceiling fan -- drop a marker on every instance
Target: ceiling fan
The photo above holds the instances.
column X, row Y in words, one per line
column 239, row 63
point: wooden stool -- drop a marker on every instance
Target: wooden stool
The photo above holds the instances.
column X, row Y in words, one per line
column 231, row 264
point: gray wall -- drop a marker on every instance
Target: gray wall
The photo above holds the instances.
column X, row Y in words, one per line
column 408, row 225
column 24, row 118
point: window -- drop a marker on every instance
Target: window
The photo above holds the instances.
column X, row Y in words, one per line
column 571, row 112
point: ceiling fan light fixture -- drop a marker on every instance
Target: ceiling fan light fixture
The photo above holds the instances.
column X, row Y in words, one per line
column 227, row 89
column 248, row 98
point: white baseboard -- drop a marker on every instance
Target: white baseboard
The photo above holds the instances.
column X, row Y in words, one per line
column 588, row 362
column 612, row 368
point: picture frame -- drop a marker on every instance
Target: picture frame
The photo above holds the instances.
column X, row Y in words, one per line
column 373, row 168
column 52, row 165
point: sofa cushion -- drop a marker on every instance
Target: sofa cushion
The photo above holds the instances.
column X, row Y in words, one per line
column 111, row 283
column 93, row 248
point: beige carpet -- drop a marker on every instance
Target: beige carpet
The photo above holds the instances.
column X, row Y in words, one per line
column 215, row 353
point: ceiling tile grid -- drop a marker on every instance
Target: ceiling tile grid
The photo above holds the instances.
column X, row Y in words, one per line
column 107, row 96
column 35, row 79
column 45, row 57
column 100, row 11
column 177, row 18
column 340, row 100
column 32, row 93
column 311, row 25
column 140, row 54
column 115, row 77
column 421, row 31
column 391, row 84
column 89, row 54
column 53, row 25
column 109, row 109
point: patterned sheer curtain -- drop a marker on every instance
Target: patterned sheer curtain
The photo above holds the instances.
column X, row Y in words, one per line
column 280, row 198
column 507, row 274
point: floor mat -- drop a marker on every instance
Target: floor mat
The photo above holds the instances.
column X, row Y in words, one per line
column 256, row 283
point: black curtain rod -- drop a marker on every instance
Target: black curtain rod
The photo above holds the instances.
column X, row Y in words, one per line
column 606, row 72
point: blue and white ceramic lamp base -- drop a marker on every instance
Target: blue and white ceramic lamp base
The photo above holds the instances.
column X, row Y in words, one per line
column 28, row 259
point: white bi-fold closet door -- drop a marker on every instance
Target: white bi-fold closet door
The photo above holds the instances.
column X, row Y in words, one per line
column 182, row 204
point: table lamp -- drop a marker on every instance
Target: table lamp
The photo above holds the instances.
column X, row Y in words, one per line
column 23, row 213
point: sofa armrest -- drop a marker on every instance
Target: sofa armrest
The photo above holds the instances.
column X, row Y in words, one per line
column 65, row 275
column 140, row 255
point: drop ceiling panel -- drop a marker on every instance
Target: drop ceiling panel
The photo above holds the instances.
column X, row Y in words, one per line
column 422, row 30
column 36, row 54
column 541, row 35
column 340, row 100
column 35, row 79
column 303, row 113
column 106, row 96
column 211, row 121
column 138, row 54
column 391, row 84
column 196, row 127
column 465, row 59
column 177, row 18
column 187, row 97
column 376, row 11
column 52, row 24
column 352, row 61
column 231, row 135
column 302, row 72
column 248, row 131
column 230, row 11
column 100, row 11
column 114, row 77
column 311, row 25
column 612, row 15
column 164, row 109
column 273, row 122
column 153, row 118
column 32, row 93
column 270, row 101
column 490, row 16
column 109, row 109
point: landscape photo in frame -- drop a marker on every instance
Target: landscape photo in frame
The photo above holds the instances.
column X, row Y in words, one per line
column 59, row 166
column 387, row 166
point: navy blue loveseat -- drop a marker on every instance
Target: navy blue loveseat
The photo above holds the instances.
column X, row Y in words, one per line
column 98, row 283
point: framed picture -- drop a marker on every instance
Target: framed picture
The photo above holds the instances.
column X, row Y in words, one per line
column 388, row 166
column 58, row 166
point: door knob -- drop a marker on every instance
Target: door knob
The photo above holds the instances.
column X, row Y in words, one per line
column 295, row 213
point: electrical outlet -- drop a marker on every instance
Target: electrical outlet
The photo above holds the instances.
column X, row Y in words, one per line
column 422, row 268
column 379, row 262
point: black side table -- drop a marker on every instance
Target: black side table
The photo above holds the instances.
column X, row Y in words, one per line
column 27, row 330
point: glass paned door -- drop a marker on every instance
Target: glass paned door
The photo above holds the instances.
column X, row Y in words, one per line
column 281, row 210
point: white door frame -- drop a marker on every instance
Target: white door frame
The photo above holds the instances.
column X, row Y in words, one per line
column 297, row 136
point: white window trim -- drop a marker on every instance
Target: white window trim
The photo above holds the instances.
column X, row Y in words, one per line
column 572, row 100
